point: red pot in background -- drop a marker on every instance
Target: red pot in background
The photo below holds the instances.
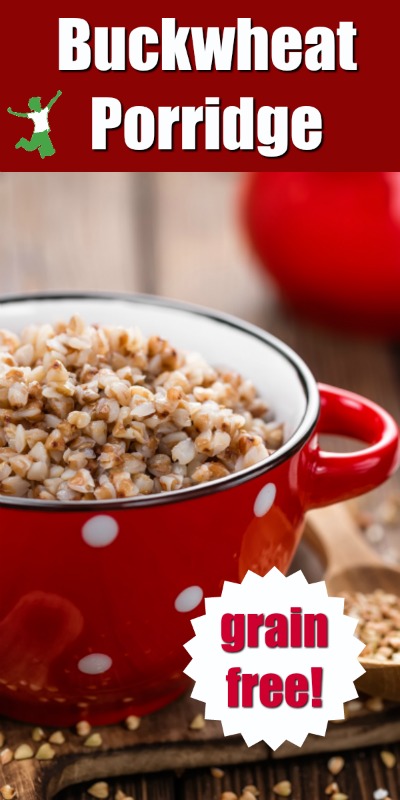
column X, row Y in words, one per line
column 332, row 243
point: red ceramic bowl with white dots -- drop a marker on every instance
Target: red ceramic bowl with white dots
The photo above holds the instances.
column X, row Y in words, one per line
column 96, row 598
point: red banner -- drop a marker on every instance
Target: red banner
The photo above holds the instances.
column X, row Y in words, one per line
column 251, row 86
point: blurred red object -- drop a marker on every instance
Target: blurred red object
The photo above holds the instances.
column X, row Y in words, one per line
column 331, row 240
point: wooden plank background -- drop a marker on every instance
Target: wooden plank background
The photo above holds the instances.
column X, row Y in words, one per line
column 178, row 235
column 170, row 233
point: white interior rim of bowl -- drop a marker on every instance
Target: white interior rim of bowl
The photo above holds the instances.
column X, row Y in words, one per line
column 293, row 444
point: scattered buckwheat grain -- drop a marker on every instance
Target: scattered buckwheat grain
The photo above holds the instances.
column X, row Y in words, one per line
column 283, row 788
column 8, row 792
column 83, row 728
column 100, row 790
column 94, row 740
column 38, row 734
column 217, row 773
column 374, row 704
column 246, row 795
column 132, row 722
column 57, row 738
column 197, row 723
column 6, row 756
column 45, row 752
column 353, row 708
column 388, row 758
column 335, row 765
column 22, row 752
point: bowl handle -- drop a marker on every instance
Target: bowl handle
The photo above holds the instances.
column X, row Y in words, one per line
column 332, row 477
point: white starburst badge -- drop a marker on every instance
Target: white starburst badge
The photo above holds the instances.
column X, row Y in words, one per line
column 274, row 658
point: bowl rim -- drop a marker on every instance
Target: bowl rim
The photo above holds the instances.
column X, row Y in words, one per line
column 284, row 453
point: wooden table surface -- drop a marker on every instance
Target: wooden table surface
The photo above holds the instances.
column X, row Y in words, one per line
column 177, row 234
column 363, row 773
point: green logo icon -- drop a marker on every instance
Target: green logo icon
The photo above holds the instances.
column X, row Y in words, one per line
column 40, row 139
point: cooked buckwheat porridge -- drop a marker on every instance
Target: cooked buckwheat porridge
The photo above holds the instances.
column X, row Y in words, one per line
column 93, row 412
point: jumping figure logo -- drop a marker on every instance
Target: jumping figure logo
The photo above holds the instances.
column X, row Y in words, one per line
column 40, row 139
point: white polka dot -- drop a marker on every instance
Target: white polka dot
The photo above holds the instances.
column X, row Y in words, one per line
column 100, row 531
column 265, row 500
column 94, row 664
column 189, row 599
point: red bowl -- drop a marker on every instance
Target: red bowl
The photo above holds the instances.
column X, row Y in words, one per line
column 96, row 598
column 331, row 241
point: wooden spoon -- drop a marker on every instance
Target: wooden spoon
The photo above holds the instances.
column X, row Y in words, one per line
column 351, row 566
